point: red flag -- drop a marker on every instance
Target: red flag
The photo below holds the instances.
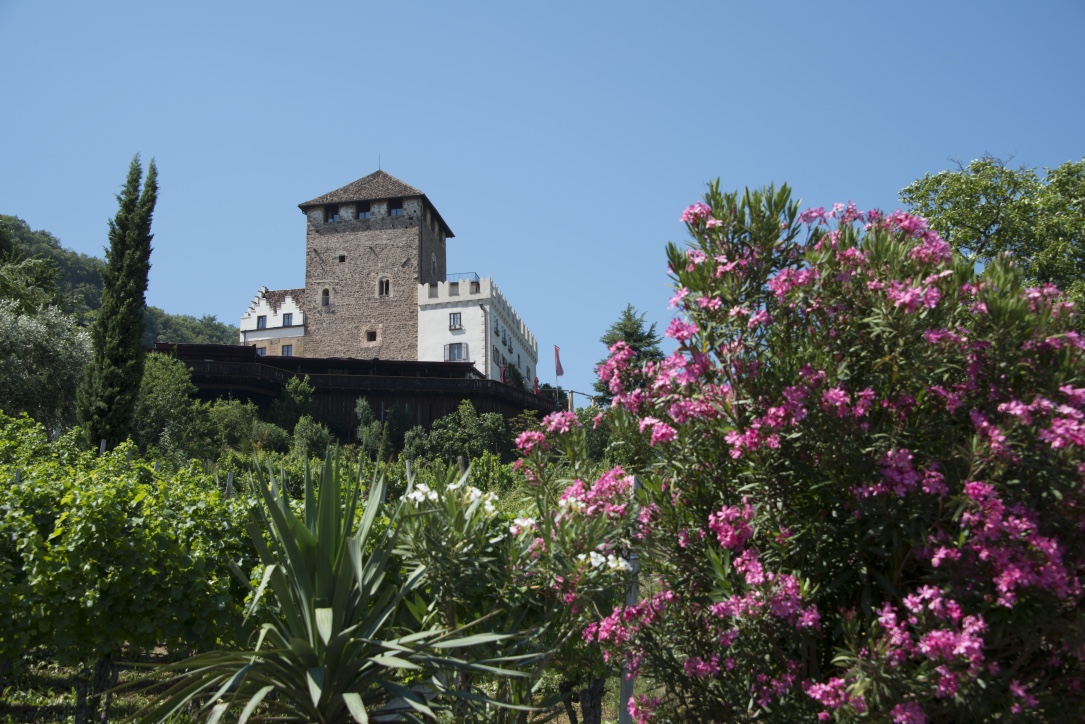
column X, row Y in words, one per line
column 557, row 361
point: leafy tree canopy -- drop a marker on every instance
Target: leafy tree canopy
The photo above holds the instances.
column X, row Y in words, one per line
column 41, row 363
column 987, row 208
column 75, row 282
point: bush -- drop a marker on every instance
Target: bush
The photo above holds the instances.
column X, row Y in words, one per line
column 268, row 437
column 104, row 552
column 311, row 439
column 866, row 494
column 234, row 423
column 42, row 356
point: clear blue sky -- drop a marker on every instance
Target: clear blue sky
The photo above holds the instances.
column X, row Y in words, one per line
column 559, row 140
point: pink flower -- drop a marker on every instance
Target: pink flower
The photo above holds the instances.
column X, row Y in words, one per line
column 732, row 525
column 662, row 432
column 528, row 439
column 811, row 215
column 679, row 294
column 681, row 331
column 696, row 212
column 759, row 318
column 908, row 713
column 560, row 421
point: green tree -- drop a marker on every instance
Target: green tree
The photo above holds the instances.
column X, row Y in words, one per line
column 168, row 418
column 631, row 329
column 42, row 357
column 311, row 439
column 370, row 431
column 107, row 398
column 986, row 208
column 465, row 433
column 557, row 394
column 79, row 285
column 31, row 283
column 295, row 403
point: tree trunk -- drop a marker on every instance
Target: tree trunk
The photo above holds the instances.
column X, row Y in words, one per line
column 591, row 701
column 82, row 703
column 105, row 678
column 566, row 688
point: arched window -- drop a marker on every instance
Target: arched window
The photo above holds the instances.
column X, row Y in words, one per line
column 384, row 287
column 325, row 298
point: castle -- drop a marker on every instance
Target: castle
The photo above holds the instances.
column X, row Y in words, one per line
column 376, row 287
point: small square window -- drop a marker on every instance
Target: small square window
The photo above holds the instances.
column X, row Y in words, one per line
column 261, row 322
column 371, row 335
column 395, row 207
column 261, row 351
column 454, row 321
column 331, row 213
column 288, row 350
column 288, row 319
column 342, row 258
column 363, row 209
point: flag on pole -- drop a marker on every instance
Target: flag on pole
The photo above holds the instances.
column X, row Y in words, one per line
column 557, row 361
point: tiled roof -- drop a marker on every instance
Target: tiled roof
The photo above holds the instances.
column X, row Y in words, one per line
column 377, row 185
column 275, row 298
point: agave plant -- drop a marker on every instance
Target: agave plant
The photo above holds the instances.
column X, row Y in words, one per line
column 335, row 648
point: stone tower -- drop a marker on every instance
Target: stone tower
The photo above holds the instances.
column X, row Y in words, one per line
column 368, row 245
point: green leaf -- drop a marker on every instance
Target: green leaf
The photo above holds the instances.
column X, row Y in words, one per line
column 324, row 622
column 356, row 707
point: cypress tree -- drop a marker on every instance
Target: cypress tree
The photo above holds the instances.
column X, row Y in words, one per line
column 110, row 388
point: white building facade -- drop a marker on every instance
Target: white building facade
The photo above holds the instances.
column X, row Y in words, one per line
column 467, row 318
column 275, row 322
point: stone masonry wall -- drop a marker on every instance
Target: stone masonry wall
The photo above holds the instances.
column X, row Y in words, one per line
column 349, row 258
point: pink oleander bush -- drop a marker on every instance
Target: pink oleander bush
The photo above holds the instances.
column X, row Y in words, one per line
column 866, row 495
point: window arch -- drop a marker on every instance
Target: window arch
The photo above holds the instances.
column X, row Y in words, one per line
column 384, row 287
column 326, row 298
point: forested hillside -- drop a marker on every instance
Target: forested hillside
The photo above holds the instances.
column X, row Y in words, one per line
column 80, row 290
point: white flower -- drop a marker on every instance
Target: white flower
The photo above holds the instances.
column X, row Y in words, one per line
column 521, row 524
column 458, row 484
column 597, row 559
column 488, row 506
column 473, row 494
column 574, row 505
column 615, row 563
column 422, row 493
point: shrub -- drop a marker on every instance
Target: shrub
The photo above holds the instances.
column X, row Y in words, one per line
column 104, row 552
column 866, row 493
column 311, row 439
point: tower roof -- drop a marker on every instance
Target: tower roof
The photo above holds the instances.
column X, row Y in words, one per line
column 377, row 185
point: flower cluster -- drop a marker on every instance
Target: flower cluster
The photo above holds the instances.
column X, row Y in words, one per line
column 853, row 418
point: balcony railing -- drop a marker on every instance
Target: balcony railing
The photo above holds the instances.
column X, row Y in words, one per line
column 462, row 277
